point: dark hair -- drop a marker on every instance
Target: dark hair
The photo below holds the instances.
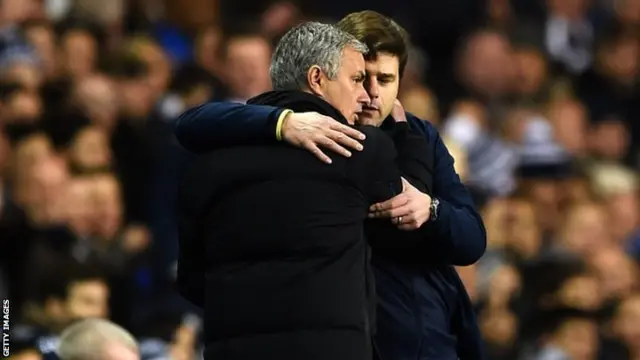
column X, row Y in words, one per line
column 552, row 320
column 9, row 89
column 126, row 67
column 34, row 24
column 74, row 24
column 614, row 36
column 58, row 284
column 190, row 77
column 380, row 33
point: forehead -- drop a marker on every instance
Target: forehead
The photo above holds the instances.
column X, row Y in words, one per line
column 241, row 45
column 352, row 60
column 384, row 63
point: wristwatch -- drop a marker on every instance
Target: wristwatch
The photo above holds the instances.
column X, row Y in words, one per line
column 433, row 209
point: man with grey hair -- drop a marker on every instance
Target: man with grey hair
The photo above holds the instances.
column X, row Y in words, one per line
column 97, row 339
column 327, row 50
column 271, row 241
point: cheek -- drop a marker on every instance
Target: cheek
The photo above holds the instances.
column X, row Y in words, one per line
column 388, row 95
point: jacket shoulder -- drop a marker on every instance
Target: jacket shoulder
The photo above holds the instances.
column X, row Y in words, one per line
column 424, row 126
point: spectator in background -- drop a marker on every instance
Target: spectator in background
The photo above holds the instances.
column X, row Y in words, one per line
column 95, row 338
column 246, row 58
column 75, row 292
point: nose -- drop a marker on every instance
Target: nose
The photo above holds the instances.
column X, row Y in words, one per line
column 363, row 97
column 372, row 87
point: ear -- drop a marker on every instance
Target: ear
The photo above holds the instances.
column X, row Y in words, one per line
column 315, row 80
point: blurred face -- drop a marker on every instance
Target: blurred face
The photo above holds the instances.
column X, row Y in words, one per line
column 579, row 338
column 43, row 40
column 346, row 92
column 421, row 103
column 585, row 230
column 546, row 197
column 623, row 212
column 15, row 11
column 382, row 82
column 627, row 320
column 570, row 9
column 90, row 150
column 78, row 205
column 499, row 327
column 570, row 124
column 531, row 71
column 610, row 139
column 87, row 299
column 628, row 11
column 616, row 273
column 159, row 68
column 46, row 185
column 505, row 283
column 524, row 234
column 136, row 97
column 487, row 66
column 621, row 59
column 207, row 47
column 26, row 74
column 23, row 107
column 581, row 292
column 80, row 53
column 108, row 206
column 96, row 96
column 247, row 67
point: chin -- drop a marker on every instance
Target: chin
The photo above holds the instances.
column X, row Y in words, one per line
column 368, row 120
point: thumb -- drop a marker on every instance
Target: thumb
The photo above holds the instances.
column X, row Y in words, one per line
column 397, row 112
column 405, row 185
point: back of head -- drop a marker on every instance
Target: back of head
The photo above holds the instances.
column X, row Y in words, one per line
column 379, row 33
column 304, row 46
column 97, row 339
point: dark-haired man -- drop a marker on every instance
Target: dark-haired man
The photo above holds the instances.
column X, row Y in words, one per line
column 423, row 309
column 74, row 292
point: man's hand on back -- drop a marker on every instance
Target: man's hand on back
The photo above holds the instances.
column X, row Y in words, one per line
column 314, row 132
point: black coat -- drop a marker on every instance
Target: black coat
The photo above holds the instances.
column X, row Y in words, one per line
column 272, row 245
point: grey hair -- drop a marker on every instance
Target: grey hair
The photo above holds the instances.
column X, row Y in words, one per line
column 309, row 44
column 87, row 339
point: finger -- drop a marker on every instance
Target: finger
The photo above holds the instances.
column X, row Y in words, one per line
column 347, row 130
column 404, row 211
column 401, row 220
column 327, row 143
column 345, row 140
column 394, row 202
column 315, row 150
column 397, row 112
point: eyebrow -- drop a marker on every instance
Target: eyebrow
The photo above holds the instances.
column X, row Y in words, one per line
column 387, row 76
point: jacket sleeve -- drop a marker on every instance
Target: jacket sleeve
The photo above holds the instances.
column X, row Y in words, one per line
column 216, row 125
column 458, row 233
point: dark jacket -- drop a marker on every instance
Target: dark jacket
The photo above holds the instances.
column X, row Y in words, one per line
column 423, row 311
column 277, row 240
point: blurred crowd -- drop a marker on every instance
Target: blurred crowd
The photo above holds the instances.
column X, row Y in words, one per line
column 538, row 102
